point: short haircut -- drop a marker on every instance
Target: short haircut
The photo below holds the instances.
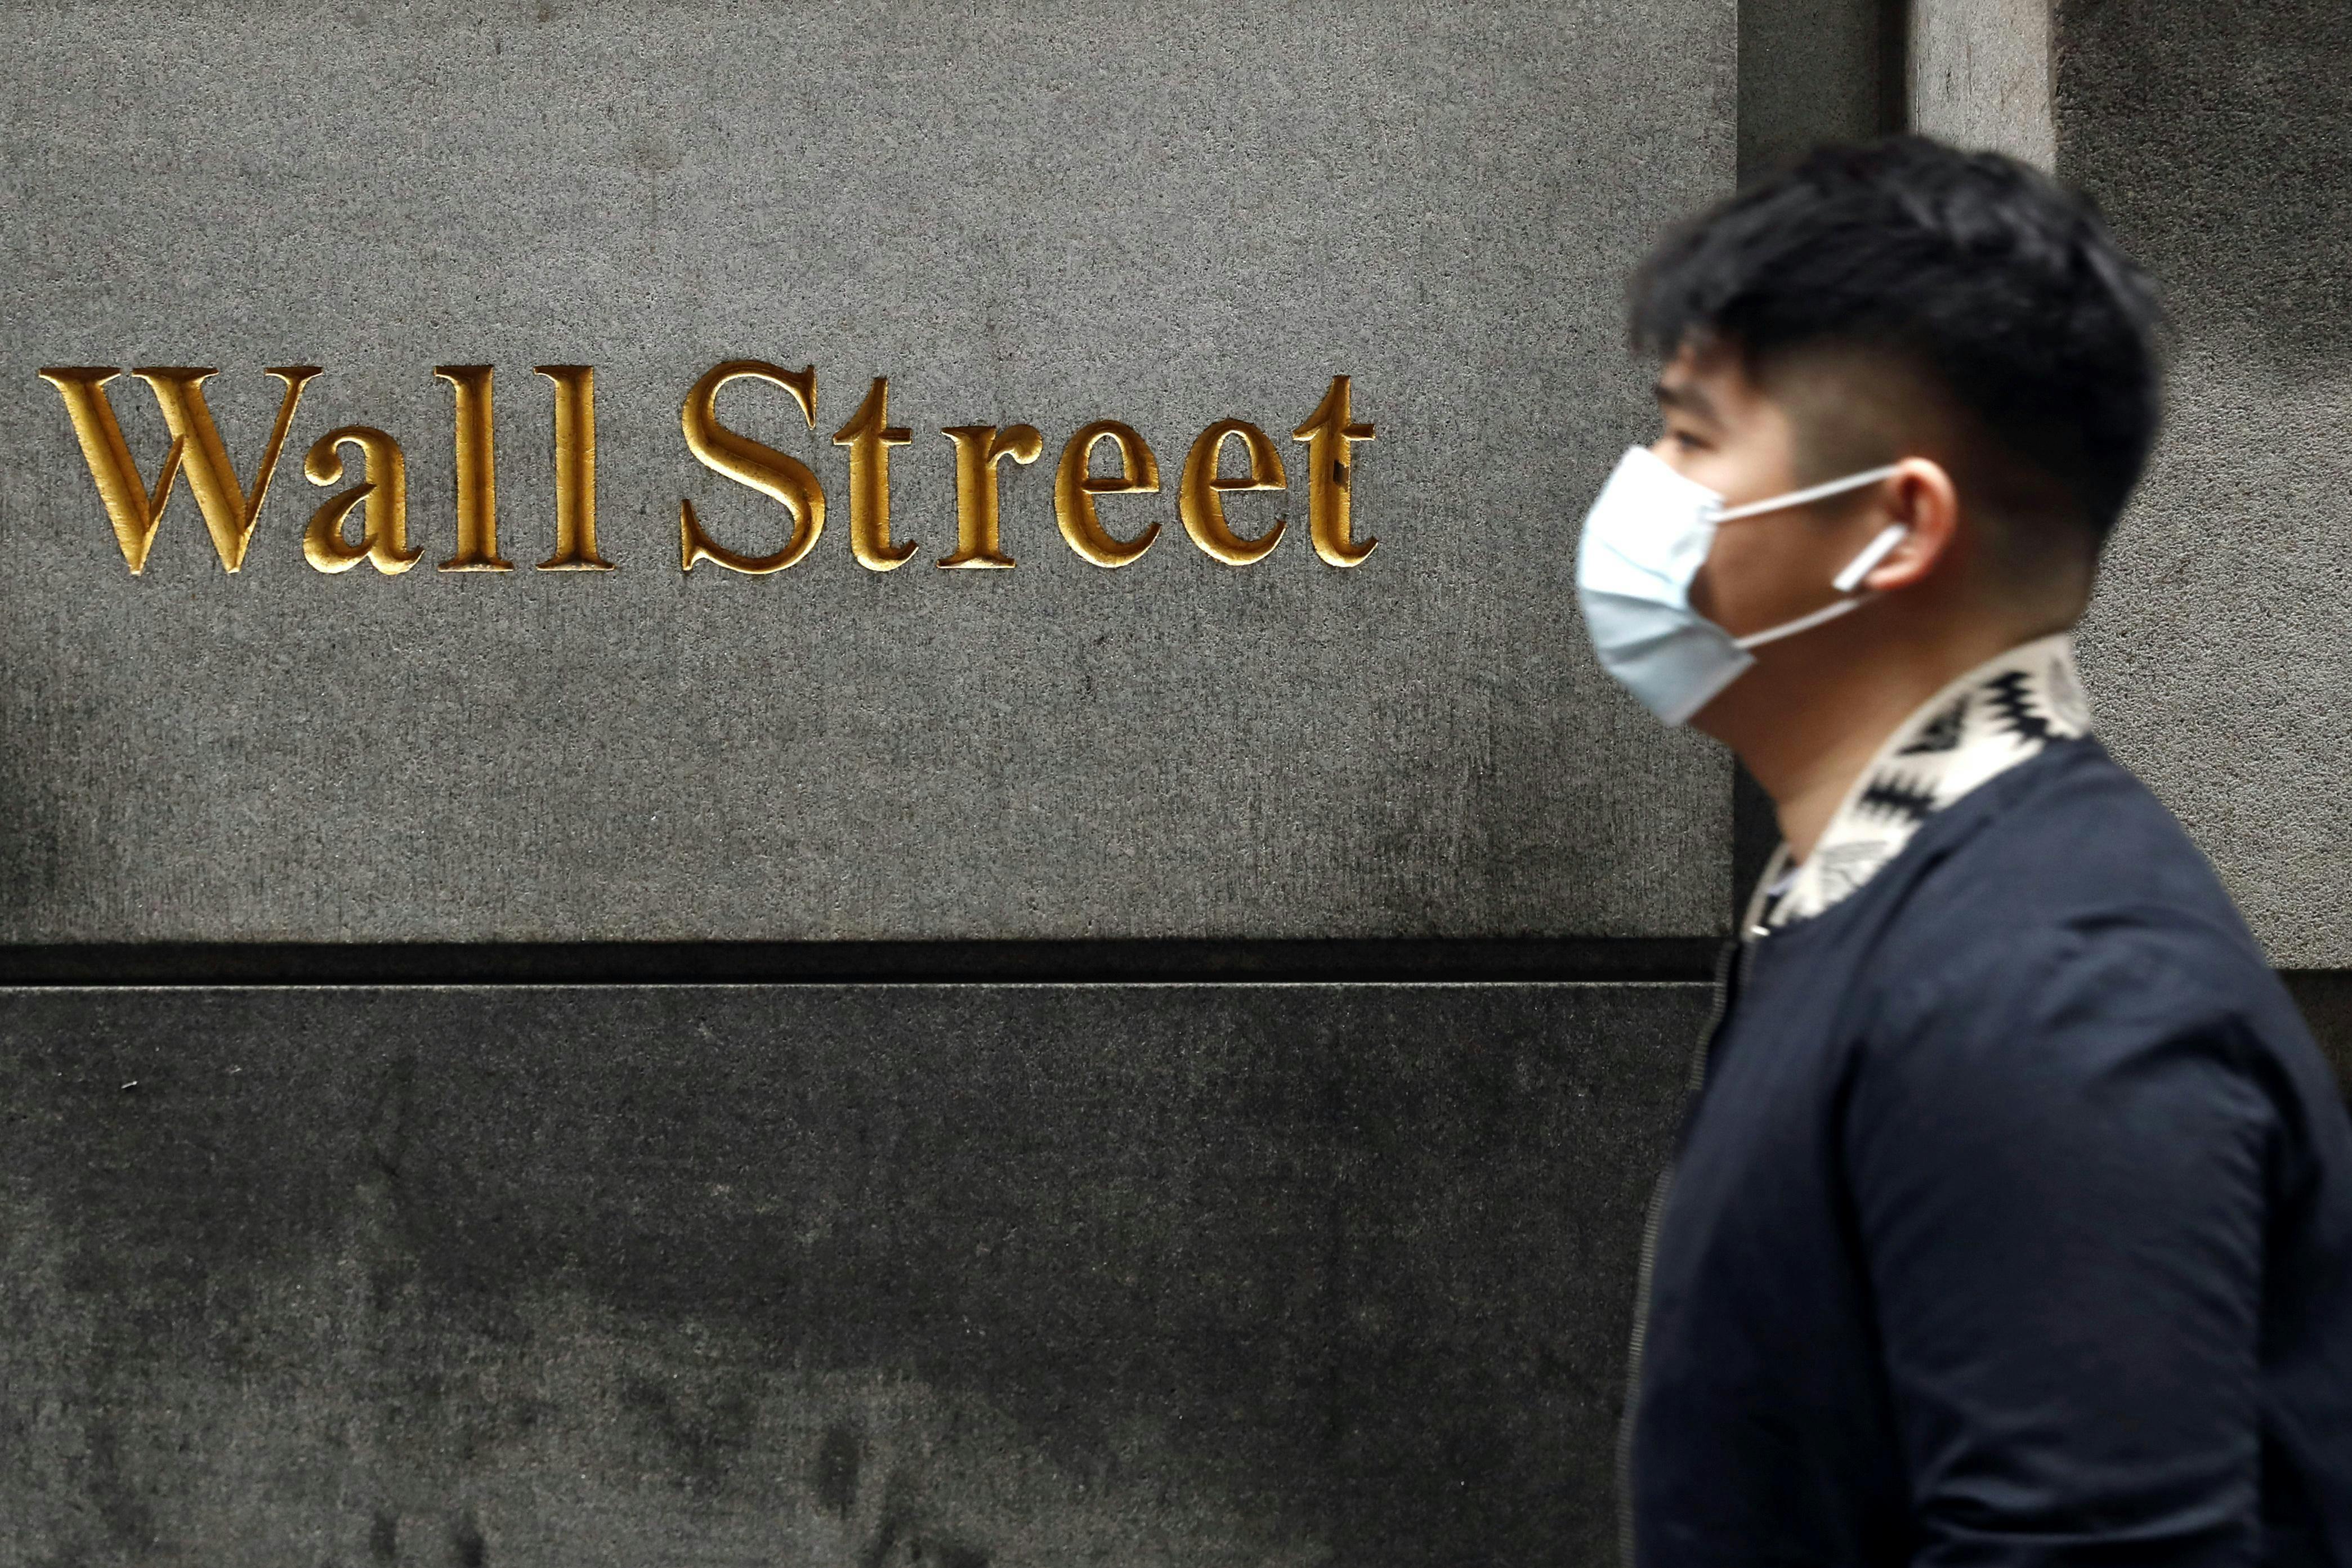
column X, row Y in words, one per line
column 2002, row 290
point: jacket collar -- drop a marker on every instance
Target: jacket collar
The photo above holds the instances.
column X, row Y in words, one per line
column 2004, row 711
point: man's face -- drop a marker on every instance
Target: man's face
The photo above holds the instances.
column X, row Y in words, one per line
column 1731, row 435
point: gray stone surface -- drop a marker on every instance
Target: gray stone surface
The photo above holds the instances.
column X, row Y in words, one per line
column 960, row 1276
column 1164, row 214
column 2220, row 651
column 1979, row 75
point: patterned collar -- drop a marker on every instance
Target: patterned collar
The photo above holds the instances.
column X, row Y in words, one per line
column 1983, row 723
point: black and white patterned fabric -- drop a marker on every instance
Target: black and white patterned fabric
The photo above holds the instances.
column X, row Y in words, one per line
column 1987, row 721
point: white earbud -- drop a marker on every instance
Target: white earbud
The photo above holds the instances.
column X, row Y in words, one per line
column 1878, row 550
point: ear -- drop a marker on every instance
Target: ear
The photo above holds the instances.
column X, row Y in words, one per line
column 1920, row 497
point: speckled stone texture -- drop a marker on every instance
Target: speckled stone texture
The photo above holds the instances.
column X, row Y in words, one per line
column 1979, row 76
column 1164, row 214
column 2220, row 650
column 702, row 1275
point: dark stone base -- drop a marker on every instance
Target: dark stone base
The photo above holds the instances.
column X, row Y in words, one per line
column 938, row 1274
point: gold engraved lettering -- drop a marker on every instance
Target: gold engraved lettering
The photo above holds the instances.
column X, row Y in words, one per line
column 979, row 449
column 575, row 469
column 869, row 437
column 1074, row 489
column 1330, row 439
column 1201, row 497
column 773, row 474
column 134, row 510
column 477, row 489
column 385, row 489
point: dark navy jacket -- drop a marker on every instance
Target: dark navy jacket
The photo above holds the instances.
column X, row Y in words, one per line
column 2011, row 1223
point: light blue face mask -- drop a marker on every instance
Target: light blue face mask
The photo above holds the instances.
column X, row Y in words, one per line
column 1645, row 537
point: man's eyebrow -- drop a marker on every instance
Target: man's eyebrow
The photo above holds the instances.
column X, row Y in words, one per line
column 1688, row 399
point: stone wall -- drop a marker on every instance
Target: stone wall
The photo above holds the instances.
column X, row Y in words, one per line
column 308, row 1271
column 479, row 1093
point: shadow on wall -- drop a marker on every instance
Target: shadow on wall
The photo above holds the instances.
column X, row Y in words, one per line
column 2326, row 998
column 2214, row 136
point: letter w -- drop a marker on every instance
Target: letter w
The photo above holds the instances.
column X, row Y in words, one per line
column 229, row 514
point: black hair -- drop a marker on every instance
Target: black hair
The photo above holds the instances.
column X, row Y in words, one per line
column 2004, row 289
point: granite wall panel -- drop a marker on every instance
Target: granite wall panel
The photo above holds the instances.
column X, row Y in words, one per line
column 960, row 1275
column 1046, row 215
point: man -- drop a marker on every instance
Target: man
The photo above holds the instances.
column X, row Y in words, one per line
column 2011, row 1221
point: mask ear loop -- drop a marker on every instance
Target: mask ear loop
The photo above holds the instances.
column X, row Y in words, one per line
column 1846, row 581
column 1811, row 493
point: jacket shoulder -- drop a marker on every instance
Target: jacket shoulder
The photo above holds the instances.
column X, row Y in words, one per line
column 2076, row 890
column 2072, row 842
